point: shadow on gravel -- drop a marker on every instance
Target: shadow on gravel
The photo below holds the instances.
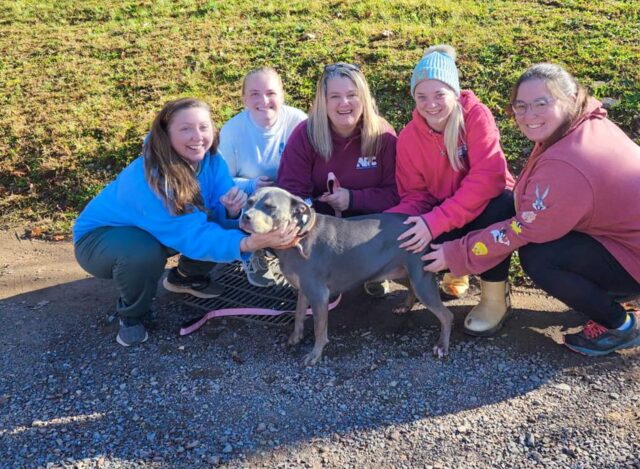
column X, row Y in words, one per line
column 234, row 390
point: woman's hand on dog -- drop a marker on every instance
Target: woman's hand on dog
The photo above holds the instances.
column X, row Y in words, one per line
column 280, row 238
column 417, row 237
column 339, row 200
column 263, row 181
column 233, row 201
column 436, row 256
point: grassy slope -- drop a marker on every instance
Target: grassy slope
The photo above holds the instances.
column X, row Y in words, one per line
column 82, row 80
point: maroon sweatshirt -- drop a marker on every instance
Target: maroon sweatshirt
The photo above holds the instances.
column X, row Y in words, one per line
column 588, row 181
column 370, row 179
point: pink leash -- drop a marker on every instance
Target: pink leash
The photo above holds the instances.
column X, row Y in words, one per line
column 217, row 313
column 332, row 185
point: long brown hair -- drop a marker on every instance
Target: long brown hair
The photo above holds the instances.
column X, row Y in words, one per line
column 168, row 174
column 563, row 87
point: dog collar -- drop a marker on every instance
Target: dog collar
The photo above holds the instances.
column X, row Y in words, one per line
column 307, row 222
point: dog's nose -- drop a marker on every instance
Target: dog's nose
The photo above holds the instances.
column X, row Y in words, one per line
column 246, row 216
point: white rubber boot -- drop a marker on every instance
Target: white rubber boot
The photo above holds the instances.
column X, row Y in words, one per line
column 488, row 316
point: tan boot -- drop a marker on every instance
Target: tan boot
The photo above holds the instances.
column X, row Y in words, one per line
column 488, row 316
column 454, row 286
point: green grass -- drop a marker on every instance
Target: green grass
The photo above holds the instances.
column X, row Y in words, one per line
column 82, row 80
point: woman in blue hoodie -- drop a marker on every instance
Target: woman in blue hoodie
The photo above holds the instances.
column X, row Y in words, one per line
column 177, row 197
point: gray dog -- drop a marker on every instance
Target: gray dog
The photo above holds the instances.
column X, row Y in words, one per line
column 333, row 255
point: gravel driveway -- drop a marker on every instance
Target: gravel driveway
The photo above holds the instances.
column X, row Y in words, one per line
column 233, row 394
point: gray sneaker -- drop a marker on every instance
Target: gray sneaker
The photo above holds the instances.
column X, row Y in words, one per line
column 262, row 271
column 131, row 332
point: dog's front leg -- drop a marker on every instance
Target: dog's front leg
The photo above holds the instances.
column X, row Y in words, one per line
column 320, row 326
column 446, row 322
column 298, row 327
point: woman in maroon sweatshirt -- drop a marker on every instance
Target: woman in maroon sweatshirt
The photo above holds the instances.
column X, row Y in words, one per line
column 344, row 135
column 346, row 138
column 577, row 222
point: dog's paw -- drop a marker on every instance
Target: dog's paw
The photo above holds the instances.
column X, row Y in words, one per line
column 440, row 350
column 295, row 338
column 312, row 358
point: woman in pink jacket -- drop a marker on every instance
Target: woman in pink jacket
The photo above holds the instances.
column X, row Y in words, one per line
column 577, row 221
column 452, row 175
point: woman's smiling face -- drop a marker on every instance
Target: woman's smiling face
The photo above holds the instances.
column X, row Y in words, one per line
column 434, row 102
column 344, row 107
column 539, row 122
column 263, row 97
column 191, row 134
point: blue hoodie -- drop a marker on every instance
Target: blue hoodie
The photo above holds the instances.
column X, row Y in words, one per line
column 129, row 201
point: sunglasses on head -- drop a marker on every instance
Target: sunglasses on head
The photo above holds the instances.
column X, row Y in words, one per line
column 341, row 66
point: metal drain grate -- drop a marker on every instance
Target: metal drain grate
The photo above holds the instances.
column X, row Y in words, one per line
column 239, row 293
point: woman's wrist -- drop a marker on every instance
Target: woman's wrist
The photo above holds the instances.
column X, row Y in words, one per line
column 244, row 244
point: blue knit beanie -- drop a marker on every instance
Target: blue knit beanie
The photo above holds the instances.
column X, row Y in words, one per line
column 437, row 65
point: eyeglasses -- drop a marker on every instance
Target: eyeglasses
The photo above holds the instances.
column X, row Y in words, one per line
column 538, row 106
column 341, row 65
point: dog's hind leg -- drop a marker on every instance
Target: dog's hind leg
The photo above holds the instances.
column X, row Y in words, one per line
column 301, row 312
column 427, row 292
column 409, row 299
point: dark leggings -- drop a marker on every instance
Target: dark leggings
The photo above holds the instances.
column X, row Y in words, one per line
column 580, row 272
column 499, row 209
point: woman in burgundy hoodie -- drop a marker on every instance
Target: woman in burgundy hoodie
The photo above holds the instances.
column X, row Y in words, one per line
column 346, row 141
column 577, row 220
column 452, row 177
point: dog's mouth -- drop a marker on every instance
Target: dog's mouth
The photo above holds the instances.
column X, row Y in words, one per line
column 246, row 226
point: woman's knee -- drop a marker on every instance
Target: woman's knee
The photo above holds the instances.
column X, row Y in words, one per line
column 502, row 207
column 150, row 256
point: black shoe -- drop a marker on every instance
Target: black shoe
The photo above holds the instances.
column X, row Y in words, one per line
column 131, row 332
column 197, row 285
column 595, row 340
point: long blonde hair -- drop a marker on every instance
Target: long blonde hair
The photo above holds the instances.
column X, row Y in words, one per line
column 318, row 126
column 166, row 172
column 454, row 130
column 563, row 87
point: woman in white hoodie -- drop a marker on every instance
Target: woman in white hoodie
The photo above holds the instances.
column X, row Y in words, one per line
column 252, row 143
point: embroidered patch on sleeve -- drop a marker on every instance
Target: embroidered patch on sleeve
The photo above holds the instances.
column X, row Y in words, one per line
column 538, row 204
column 516, row 227
column 480, row 249
column 528, row 217
column 500, row 236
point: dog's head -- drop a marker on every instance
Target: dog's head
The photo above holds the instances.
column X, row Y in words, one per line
column 270, row 208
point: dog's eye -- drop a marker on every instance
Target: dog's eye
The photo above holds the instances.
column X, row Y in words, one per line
column 269, row 206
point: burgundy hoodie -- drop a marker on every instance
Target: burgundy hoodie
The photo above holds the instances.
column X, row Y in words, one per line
column 588, row 181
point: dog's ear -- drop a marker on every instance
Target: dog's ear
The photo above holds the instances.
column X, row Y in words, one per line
column 300, row 212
